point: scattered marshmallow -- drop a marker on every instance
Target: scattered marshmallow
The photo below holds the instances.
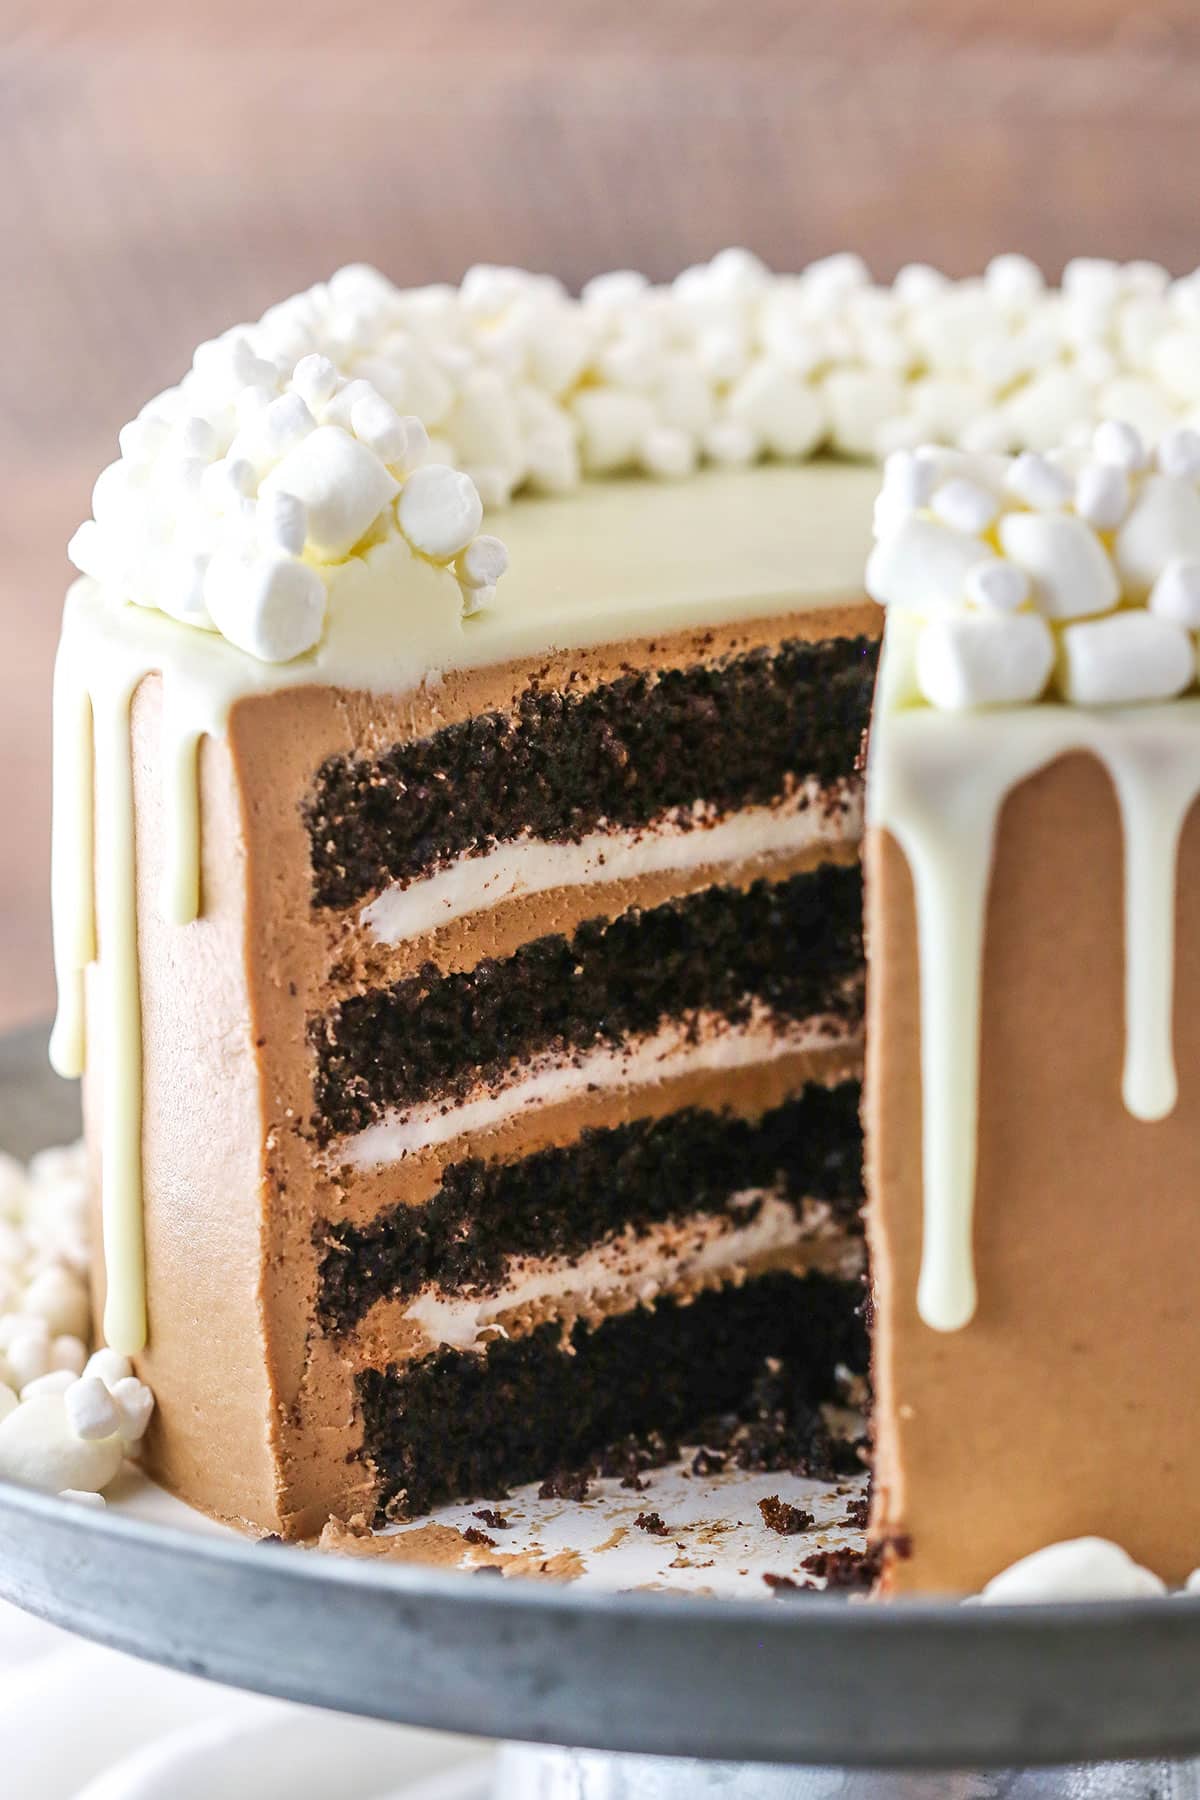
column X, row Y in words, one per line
column 1129, row 657
column 134, row 1403
column 40, row 1449
column 1069, row 571
column 74, row 1417
column 92, row 1411
column 1088, row 1568
column 439, row 511
column 967, row 660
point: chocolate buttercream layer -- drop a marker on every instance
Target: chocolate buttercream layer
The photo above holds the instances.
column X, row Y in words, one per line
column 793, row 948
column 463, row 1423
column 565, row 1199
column 568, row 761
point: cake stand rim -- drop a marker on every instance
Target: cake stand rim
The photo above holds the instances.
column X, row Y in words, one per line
column 913, row 1684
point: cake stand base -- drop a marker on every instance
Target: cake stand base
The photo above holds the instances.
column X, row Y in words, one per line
column 530, row 1772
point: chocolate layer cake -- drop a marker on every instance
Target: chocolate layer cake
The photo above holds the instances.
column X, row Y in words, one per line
column 475, row 1038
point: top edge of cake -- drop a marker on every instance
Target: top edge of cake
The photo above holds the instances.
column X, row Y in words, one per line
column 360, row 427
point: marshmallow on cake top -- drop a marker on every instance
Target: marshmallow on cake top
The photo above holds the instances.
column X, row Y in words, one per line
column 1073, row 575
column 357, row 411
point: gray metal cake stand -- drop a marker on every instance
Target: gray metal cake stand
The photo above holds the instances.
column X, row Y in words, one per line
column 815, row 1688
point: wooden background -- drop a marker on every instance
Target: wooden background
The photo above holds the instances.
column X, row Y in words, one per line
column 166, row 169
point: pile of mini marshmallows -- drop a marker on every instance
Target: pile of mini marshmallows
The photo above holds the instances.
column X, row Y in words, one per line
column 358, row 410
column 67, row 1419
column 1075, row 574
column 236, row 492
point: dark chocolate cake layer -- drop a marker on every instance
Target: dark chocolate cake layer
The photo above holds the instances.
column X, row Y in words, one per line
column 794, row 947
column 623, row 754
column 468, row 1423
column 561, row 1201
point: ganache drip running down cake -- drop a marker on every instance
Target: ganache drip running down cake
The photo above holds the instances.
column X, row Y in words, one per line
column 462, row 927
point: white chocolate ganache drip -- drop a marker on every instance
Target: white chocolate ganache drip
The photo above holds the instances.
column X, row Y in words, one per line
column 305, row 506
column 974, row 638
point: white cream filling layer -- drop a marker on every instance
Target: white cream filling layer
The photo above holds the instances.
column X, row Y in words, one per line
column 704, row 1043
column 644, row 1265
column 814, row 814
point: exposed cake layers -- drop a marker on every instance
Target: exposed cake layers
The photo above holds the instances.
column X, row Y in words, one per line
column 729, row 945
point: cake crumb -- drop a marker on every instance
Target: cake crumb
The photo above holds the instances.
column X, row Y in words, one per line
column 473, row 1535
column 708, row 1462
column 781, row 1585
column 565, row 1484
column 856, row 1514
column 496, row 1521
column 779, row 1515
column 651, row 1522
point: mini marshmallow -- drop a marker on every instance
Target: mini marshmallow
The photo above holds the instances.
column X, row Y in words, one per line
column 1161, row 526
column 1014, row 280
column 1102, row 494
column 1176, row 594
column 1116, row 441
column 109, row 1365
column 909, row 479
column 27, row 1358
column 38, row 1449
column 343, row 485
column 1087, row 1568
column 482, row 563
column 1178, row 453
column 281, row 521
column 730, row 442
column 859, row 401
column 1038, row 483
column 1126, row 658
column 922, row 566
column 55, row 1381
column 918, row 283
column 967, row 660
column 91, row 1410
column 1068, row 567
column 997, row 586
column 1175, row 361
column 964, row 505
column 668, row 453
column 783, row 411
column 134, row 1403
column 380, row 427
column 68, row 1352
column 272, row 607
column 612, row 424
column 439, row 511
column 316, row 380
column 80, row 1497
